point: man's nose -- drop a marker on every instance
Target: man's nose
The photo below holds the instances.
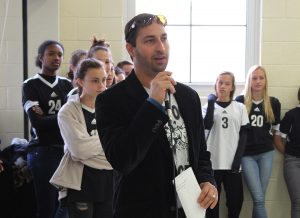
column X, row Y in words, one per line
column 161, row 46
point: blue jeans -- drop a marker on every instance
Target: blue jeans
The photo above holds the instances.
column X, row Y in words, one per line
column 291, row 172
column 257, row 170
column 42, row 162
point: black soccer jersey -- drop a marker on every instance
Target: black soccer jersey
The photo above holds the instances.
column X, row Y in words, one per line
column 290, row 127
column 90, row 121
column 260, row 136
column 91, row 188
column 49, row 93
column 74, row 91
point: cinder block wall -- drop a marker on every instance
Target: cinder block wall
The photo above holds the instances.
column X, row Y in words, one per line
column 42, row 25
column 11, row 59
column 81, row 20
column 280, row 54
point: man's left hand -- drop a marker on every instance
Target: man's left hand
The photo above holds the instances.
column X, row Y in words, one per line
column 209, row 195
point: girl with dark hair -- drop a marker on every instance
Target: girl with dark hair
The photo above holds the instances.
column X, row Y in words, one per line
column 84, row 176
column 100, row 50
column 120, row 74
column 226, row 142
column 290, row 147
column 42, row 97
column 76, row 57
column 99, row 42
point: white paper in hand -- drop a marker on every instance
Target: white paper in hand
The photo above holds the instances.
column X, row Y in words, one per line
column 188, row 191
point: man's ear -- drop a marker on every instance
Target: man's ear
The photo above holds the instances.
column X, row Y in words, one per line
column 130, row 49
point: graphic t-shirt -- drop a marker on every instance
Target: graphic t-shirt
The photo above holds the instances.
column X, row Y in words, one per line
column 177, row 137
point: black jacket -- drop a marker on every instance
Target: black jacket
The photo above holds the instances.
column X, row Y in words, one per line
column 132, row 134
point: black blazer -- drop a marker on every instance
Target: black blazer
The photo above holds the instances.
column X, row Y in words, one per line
column 132, row 134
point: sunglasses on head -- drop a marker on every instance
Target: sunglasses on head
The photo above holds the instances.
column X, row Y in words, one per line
column 161, row 19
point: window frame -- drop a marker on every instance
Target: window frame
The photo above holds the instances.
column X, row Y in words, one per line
column 252, row 42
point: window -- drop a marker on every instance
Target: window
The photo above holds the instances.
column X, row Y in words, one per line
column 207, row 37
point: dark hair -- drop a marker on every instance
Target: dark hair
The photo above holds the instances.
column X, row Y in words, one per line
column 42, row 48
column 139, row 21
column 74, row 60
column 95, row 49
column 123, row 63
column 84, row 66
column 119, row 71
column 299, row 94
column 99, row 42
column 233, row 82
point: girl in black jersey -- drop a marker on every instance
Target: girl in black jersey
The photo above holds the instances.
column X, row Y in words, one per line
column 42, row 97
column 264, row 117
column 290, row 131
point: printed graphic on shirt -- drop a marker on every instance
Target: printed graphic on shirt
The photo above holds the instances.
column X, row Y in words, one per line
column 49, row 94
column 223, row 139
column 258, row 122
column 177, row 137
column 89, row 116
column 290, row 129
column 53, row 95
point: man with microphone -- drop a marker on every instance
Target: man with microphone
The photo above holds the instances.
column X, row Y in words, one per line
column 145, row 150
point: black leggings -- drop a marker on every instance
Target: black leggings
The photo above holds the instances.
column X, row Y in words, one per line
column 233, row 186
column 90, row 210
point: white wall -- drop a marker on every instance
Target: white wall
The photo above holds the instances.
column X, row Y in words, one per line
column 11, row 63
column 81, row 20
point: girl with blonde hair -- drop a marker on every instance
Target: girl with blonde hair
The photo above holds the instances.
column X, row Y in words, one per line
column 264, row 117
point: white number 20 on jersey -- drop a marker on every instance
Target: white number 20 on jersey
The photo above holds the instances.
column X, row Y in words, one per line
column 257, row 120
column 54, row 106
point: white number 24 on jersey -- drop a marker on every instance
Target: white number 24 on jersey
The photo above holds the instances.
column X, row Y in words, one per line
column 54, row 106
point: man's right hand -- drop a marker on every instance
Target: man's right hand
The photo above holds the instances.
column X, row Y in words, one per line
column 162, row 82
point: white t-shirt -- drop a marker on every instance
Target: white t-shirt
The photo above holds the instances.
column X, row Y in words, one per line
column 223, row 138
column 178, row 140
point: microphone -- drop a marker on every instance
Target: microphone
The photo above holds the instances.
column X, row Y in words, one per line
column 168, row 105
